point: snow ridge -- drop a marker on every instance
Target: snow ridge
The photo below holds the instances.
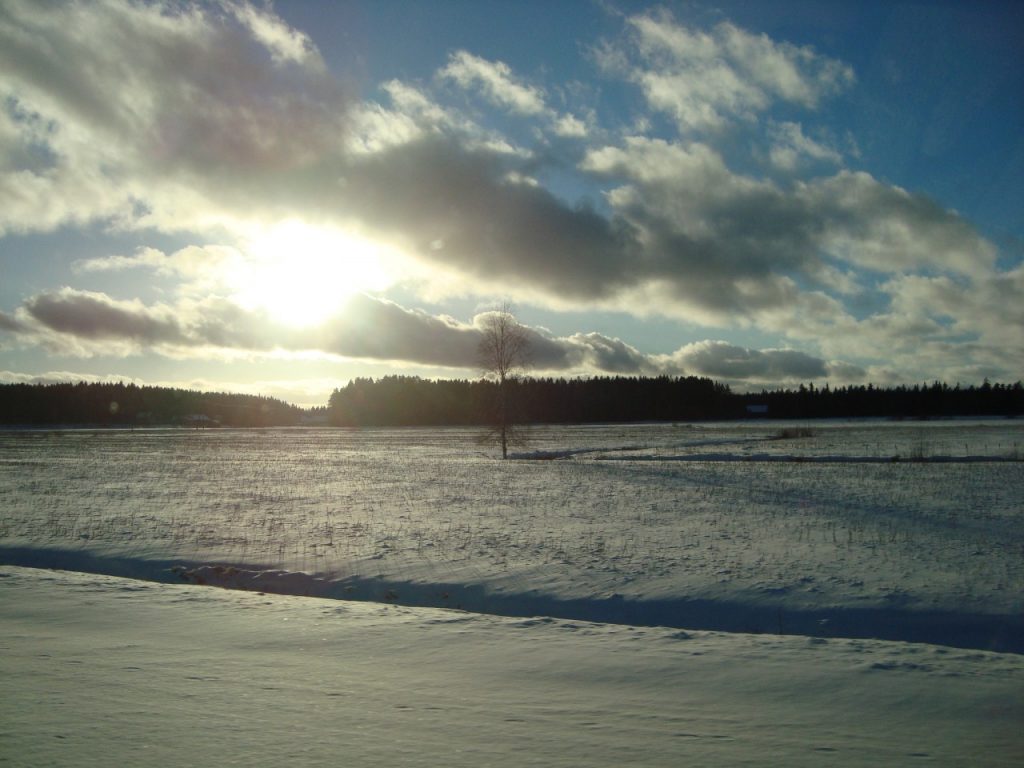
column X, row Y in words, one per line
column 1000, row 633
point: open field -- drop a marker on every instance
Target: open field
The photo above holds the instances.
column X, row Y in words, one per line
column 711, row 526
column 645, row 595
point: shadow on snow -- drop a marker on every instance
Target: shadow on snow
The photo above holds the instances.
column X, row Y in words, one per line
column 991, row 632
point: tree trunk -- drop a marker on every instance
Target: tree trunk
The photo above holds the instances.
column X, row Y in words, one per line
column 504, row 418
column 504, row 354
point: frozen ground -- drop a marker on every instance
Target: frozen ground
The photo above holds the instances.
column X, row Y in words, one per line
column 703, row 527
column 101, row 671
column 660, row 532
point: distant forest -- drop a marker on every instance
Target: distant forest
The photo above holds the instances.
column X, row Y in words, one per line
column 131, row 405
column 412, row 401
column 402, row 400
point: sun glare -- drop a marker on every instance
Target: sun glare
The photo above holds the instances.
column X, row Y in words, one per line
column 302, row 274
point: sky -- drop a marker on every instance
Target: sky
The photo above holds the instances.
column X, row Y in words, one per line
column 276, row 199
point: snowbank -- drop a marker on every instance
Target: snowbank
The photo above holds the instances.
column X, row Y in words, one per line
column 101, row 671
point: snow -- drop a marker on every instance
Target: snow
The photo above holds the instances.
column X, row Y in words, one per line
column 103, row 671
column 640, row 595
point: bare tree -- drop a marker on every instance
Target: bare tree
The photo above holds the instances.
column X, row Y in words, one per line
column 504, row 357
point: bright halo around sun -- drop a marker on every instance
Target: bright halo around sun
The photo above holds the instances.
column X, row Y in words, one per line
column 301, row 274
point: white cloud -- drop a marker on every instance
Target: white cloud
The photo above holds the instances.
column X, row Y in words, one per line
column 413, row 102
column 570, row 126
column 793, row 73
column 143, row 257
column 705, row 79
column 495, row 81
column 375, row 128
column 284, row 43
column 304, row 392
column 886, row 228
column 987, row 308
column 791, row 148
column 178, row 110
column 65, row 377
column 498, row 85
column 197, row 270
column 951, row 328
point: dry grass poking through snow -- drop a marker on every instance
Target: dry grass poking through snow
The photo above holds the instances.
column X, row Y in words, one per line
column 644, row 513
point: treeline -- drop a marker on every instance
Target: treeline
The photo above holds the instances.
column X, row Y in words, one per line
column 132, row 405
column 914, row 402
column 411, row 401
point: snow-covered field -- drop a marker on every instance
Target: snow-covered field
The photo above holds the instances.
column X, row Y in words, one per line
column 714, row 527
column 100, row 671
column 672, row 535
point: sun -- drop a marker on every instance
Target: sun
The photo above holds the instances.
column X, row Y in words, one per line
column 302, row 274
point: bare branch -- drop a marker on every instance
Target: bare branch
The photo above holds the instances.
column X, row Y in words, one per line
column 504, row 349
column 504, row 356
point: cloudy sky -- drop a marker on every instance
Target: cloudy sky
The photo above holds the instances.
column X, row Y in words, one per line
column 278, row 198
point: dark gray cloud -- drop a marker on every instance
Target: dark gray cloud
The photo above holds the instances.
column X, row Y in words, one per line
column 376, row 329
column 721, row 360
column 9, row 323
column 367, row 328
column 95, row 317
column 382, row 330
column 610, row 355
column 217, row 322
column 845, row 372
column 733, row 246
column 84, row 316
column 721, row 243
column 458, row 206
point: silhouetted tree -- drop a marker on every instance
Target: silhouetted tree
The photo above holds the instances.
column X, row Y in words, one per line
column 504, row 353
column 107, row 404
column 412, row 401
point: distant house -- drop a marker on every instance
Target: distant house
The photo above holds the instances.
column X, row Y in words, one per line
column 757, row 410
column 314, row 418
column 198, row 421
